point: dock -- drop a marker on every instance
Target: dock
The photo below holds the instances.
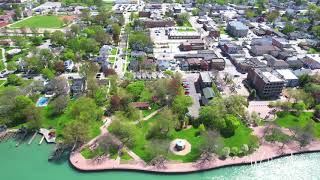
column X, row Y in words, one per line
column 46, row 134
column 41, row 140
column 32, row 138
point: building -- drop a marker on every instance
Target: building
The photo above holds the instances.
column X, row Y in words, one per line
column 78, row 87
column 231, row 48
column 237, row 29
column 266, row 83
column 205, row 79
column 69, row 65
column 311, row 61
column 208, row 94
column 175, row 34
column 192, row 44
column 158, row 23
column 243, row 65
column 291, row 80
column 265, row 49
column 280, row 43
column 126, row 1
column 276, row 63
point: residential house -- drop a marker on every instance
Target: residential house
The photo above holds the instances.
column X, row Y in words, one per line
column 78, row 87
column 280, row 43
column 69, row 65
column 311, row 61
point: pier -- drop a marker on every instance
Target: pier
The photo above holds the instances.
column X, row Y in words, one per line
column 41, row 140
column 32, row 138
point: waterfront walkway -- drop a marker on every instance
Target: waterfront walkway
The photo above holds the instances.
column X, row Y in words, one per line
column 267, row 151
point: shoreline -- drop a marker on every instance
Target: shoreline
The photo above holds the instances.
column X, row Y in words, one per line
column 266, row 152
column 188, row 172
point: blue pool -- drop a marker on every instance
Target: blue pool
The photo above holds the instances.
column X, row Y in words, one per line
column 42, row 101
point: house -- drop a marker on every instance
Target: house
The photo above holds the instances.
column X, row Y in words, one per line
column 192, row 44
column 205, row 79
column 141, row 105
column 146, row 14
column 104, row 50
column 133, row 65
column 291, row 80
column 237, row 29
column 265, row 82
column 208, row 94
column 69, row 65
column 78, row 87
column 194, row 63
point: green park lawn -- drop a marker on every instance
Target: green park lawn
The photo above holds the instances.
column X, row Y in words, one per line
column 59, row 123
column 114, row 51
column 287, row 120
column 111, row 59
column 40, row 22
column 242, row 136
column 187, row 29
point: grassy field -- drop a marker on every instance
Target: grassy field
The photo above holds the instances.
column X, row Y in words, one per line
column 111, row 59
column 187, row 29
column 60, row 121
column 40, row 22
column 289, row 120
column 1, row 61
column 243, row 135
column 114, row 51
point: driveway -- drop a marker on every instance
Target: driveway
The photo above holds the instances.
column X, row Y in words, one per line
column 191, row 78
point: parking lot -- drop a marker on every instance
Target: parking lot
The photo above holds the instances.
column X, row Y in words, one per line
column 191, row 78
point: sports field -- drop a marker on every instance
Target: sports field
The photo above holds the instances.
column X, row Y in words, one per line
column 40, row 22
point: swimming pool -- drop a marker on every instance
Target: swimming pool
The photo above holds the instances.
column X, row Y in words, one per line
column 42, row 101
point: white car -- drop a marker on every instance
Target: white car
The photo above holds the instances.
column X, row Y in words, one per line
column 5, row 73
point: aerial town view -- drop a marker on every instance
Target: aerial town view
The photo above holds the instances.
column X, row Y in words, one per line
column 159, row 89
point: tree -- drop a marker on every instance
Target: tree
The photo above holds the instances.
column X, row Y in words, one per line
column 212, row 142
column 75, row 29
column 158, row 153
column 180, row 106
column 304, row 135
column 163, row 127
column 84, row 109
column 252, row 95
column 59, row 86
column 299, row 107
column 125, row 132
column 75, row 132
column 58, row 105
column 250, row 14
column 48, row 73
column 100, row 96
column 273, row 15
column 136, row 88
column 14, row 80
column 288, row 28
column 33, row 117
column 317, row 111
column 58, row 38
column 316, row 30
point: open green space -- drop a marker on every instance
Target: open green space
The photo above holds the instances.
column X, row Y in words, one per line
column 88, row 154
column 40, row 22
column 112, row 59
column 114, row 51
column 289, row 120
column 314, row 51
column 187, row 29
column 107, row 5
column 59, row 122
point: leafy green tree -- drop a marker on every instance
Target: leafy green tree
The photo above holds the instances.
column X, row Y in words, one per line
column 289, row 28
column 100, row 96
column 48, row 73
column 316, row 30
column 58, row 105
column 136, row 88
column 181, row 103
column 126, row 132
column 84, row 109
column 57, row 38
column 75, row 132
column 14, row 80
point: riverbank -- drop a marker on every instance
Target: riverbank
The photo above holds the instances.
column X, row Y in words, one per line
column 267, row 151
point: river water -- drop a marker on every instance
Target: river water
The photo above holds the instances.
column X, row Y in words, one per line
column 29, row 162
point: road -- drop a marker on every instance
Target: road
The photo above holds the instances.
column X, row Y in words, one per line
column 121, row 59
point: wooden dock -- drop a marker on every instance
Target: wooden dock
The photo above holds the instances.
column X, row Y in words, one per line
column 32, row 138
column 41, row 140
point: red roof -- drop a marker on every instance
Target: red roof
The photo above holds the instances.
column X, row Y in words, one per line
column 140, row 104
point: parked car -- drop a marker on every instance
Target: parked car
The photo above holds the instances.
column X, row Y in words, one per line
column 186, row 92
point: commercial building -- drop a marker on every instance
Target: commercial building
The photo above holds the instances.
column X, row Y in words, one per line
column 291, row 80
column 266, row 83
column 237, row 29
column 176, row 34
column 192, row 44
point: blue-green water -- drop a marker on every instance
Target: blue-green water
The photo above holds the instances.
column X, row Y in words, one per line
column 30, row 162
